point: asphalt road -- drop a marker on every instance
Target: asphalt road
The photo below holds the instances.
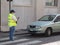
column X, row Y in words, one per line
column 27, row 39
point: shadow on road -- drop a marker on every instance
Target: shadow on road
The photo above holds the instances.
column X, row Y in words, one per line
column 44, row 40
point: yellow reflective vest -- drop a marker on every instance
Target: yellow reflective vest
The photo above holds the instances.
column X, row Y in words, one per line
column 11, row 22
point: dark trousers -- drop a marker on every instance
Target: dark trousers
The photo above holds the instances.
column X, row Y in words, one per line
column 11, row 33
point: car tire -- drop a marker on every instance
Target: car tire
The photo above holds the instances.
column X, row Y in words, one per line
column 48, row 32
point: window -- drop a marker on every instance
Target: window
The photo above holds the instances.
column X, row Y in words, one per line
column 58, row 19
column 51, row 2
column 47, row 18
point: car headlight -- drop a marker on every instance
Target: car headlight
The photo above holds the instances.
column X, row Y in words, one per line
column 38, row 26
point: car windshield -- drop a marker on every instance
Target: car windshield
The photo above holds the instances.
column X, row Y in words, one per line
column 47, row 18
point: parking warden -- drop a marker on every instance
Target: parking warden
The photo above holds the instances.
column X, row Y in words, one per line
column 12, row 22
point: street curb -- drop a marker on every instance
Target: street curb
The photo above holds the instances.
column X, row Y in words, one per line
column 15, row 31
column 15, row 34
column 19, row 32
column 7, row 34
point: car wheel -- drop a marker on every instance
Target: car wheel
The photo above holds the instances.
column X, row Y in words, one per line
column 48, row 32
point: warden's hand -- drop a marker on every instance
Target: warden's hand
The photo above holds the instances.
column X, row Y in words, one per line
column 18, row 18
column 16, row 22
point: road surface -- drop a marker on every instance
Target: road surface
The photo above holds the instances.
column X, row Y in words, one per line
column 27, row 39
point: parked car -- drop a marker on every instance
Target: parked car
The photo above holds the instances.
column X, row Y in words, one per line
column 47, row 24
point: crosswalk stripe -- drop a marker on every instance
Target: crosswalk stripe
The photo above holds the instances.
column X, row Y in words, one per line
column 53, row 43
column 5, row 38
column 30, row 43
column 15, row 41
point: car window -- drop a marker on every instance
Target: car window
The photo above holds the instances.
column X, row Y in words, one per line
column 58, row 18
column 47, row 18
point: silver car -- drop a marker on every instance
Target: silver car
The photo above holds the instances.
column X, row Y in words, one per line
column 48, row 24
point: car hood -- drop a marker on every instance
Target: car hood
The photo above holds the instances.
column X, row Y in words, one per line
column 41, row 23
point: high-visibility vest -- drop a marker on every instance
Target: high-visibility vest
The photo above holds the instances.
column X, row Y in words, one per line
column 11, row 22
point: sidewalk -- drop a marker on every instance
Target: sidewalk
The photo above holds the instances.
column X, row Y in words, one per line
column 19, row 32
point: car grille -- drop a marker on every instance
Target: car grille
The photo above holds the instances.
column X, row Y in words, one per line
column 32, row 26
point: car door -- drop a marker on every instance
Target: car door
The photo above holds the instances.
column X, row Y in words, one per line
column 57, row 24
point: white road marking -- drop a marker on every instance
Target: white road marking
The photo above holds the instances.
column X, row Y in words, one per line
column 7, row 38
column 15, row 41
column 52, row 43
column 30, row 43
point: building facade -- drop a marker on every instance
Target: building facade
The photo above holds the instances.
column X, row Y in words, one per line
column 28, row 11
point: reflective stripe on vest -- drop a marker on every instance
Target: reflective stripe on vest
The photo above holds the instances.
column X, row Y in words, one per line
column 11, row 22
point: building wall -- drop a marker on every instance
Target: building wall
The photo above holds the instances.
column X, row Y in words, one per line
column 59, row 6
column 50, row 9
column 26, row 14
column 42, row 9
column 4, row 15
column 40, row 4
column 0, row 15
